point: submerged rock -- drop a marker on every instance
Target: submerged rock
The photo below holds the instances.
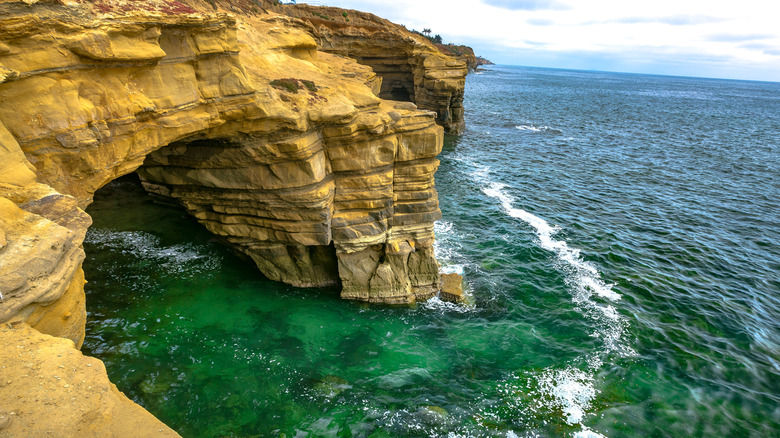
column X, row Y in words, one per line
column 331, row 386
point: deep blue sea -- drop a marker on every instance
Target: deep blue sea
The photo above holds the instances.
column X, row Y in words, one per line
column 619, row 236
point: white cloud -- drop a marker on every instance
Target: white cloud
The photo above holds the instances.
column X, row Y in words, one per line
column 691, row 37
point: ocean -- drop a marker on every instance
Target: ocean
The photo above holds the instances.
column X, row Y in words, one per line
column 619, row 237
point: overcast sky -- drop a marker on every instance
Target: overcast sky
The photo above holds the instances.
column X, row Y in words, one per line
column 715, row 38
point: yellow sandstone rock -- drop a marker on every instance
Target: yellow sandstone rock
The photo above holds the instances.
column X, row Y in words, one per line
column 281, row 149
column 410, row 66
column 48, row 388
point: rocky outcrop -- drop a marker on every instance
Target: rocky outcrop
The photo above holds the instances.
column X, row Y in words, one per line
column 320, row 185
column 483, row 61
column 451, row 288
column 463, row 53
column 282, row 150
column 411, row 67
column 48, row 388
column 349, row 203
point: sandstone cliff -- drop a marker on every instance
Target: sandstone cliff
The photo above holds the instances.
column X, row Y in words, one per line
column 411, row 67
column 463, row 53
column 282, row 150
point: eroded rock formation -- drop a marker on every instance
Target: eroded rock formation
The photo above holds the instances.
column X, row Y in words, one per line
column 463, row 53
column 279, row 148
column 50, row 389
column 411, row 67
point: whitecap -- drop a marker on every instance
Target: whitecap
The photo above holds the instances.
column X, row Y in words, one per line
column 543, row 128
column 439, row 305
column 184, row 258
column 586, row 276
column 447, row 248
column 587, row 433
column 528, row 128
column 571, row 390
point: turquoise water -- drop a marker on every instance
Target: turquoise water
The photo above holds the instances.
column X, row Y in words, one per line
column 620, row 239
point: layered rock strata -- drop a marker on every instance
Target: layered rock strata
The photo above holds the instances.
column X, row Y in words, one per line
column 463, row 53
column 282, row 150
column 319, row 186
column 411, row 67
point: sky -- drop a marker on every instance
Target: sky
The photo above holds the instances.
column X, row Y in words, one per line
column 715, row 38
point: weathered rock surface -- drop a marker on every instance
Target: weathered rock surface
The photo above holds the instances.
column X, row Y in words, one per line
column 483, row 61
column 48, row 388
column 319, row 181
column 451, row 288
column 318, row 186
column 411, row 67
column 463, row 53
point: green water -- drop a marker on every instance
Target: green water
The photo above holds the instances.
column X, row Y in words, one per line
column 203, row 341
column 619, row 236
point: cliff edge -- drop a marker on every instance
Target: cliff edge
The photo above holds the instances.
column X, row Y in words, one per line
column 281, row 149
column 411, row 67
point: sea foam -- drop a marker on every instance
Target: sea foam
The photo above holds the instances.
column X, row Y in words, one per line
column 181, row 259
column 570, row 390
column 586, row 276
column 544, row 128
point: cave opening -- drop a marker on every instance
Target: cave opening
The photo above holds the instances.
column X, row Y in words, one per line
column 259, row 200
column 401, row 94
column 169, row 306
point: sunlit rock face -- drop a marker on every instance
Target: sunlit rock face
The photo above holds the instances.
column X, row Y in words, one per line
column 350, row 202
column 282, row 150
column 411, row 67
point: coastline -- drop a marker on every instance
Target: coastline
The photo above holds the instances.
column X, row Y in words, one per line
column 117, row 94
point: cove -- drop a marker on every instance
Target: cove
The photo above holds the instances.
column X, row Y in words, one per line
column 198, row 337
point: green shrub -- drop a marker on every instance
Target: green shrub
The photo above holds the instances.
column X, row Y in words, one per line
column 292, row 85
column 288, row 84
column 309, row 85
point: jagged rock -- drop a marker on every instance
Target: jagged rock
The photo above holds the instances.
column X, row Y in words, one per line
column 306, row 183
column 463, row 53
column 483, row 61
column 411, row 67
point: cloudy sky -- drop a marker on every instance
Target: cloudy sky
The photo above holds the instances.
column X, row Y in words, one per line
column 714, row 38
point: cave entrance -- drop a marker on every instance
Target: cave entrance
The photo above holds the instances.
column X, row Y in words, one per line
column 400, row 93
column 265, row 199
column 170, row 308
column 397, row 77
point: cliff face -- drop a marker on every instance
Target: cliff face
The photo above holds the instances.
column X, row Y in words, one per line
column 310, row 176
column 463, row 53
column 282, row 150
column 411, row 67
column 483, row 61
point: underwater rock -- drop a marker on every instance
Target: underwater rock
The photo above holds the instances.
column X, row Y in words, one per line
column 331, row 386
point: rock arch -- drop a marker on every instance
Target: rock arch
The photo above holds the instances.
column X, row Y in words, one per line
column 314, row 177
